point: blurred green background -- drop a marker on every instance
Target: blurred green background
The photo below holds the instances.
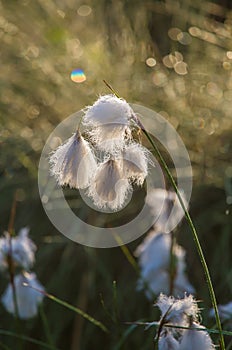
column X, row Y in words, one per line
column 172, row 56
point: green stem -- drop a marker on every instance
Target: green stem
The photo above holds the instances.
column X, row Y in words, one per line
column 71, row 307
column 46, row 326
column 167, row 325
column 194, row 233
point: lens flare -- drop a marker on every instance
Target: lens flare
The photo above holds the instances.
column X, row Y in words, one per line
column 78, row 76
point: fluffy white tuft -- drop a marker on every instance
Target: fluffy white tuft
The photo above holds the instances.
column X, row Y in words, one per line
column 110, row 138
column 178, row 311
column 73, row 163
column 135, row 163
column 109, row 188
column 28, row 299
column 22, row 249
column 154, row 252
column 168, row 342
column 108, row 109
column 196, row 340
column 154, row 261
column 108, row 119
column 166, row 207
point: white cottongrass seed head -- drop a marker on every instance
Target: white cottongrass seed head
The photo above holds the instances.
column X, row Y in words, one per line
column 178, row 311
column 166, row 209
column 28, row 298
column 120, row 162
column 109, row 189
column 154, row 262
column 73, row 163
column 168, row 342
column 22, row 250
column 193, row 339
column 154, row 252
column 135, row 160
column 109, row 122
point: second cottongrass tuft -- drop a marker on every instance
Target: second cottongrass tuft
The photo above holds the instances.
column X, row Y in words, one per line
column 179, row 325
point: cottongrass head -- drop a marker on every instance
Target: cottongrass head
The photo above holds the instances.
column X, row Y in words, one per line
column 166, row 208
column 179, row 324
column 154, row 252
column 108, row 120
column 28, row 298
column 178, row 311
column 154, row 262
column 73, row 163
column 109, row 189
column 21, row 250
column 194, row 339
column 120, row 161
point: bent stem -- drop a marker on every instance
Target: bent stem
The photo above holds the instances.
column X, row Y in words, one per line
column 189, row 220
column 194, row 233
column 70, row 307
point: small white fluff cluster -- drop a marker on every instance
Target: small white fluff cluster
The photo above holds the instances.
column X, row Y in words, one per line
column 22, row 250
column 18, row 253
column 28, row 298
column 154, row 261
column 183, row 313
column 165, row 208
column 108, row 180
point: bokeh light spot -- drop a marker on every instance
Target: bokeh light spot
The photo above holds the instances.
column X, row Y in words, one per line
column 195, row 31
column 84, row 10
column 178, row 56
column 181, row 68
column 184, row 38
column 229, row 55
column 169, row 61
column 78, row 76
column 226, row 65
column 173, row 33
column 151, row 62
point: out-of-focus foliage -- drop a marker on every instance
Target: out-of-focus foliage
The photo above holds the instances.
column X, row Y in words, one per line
column 172, row 56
